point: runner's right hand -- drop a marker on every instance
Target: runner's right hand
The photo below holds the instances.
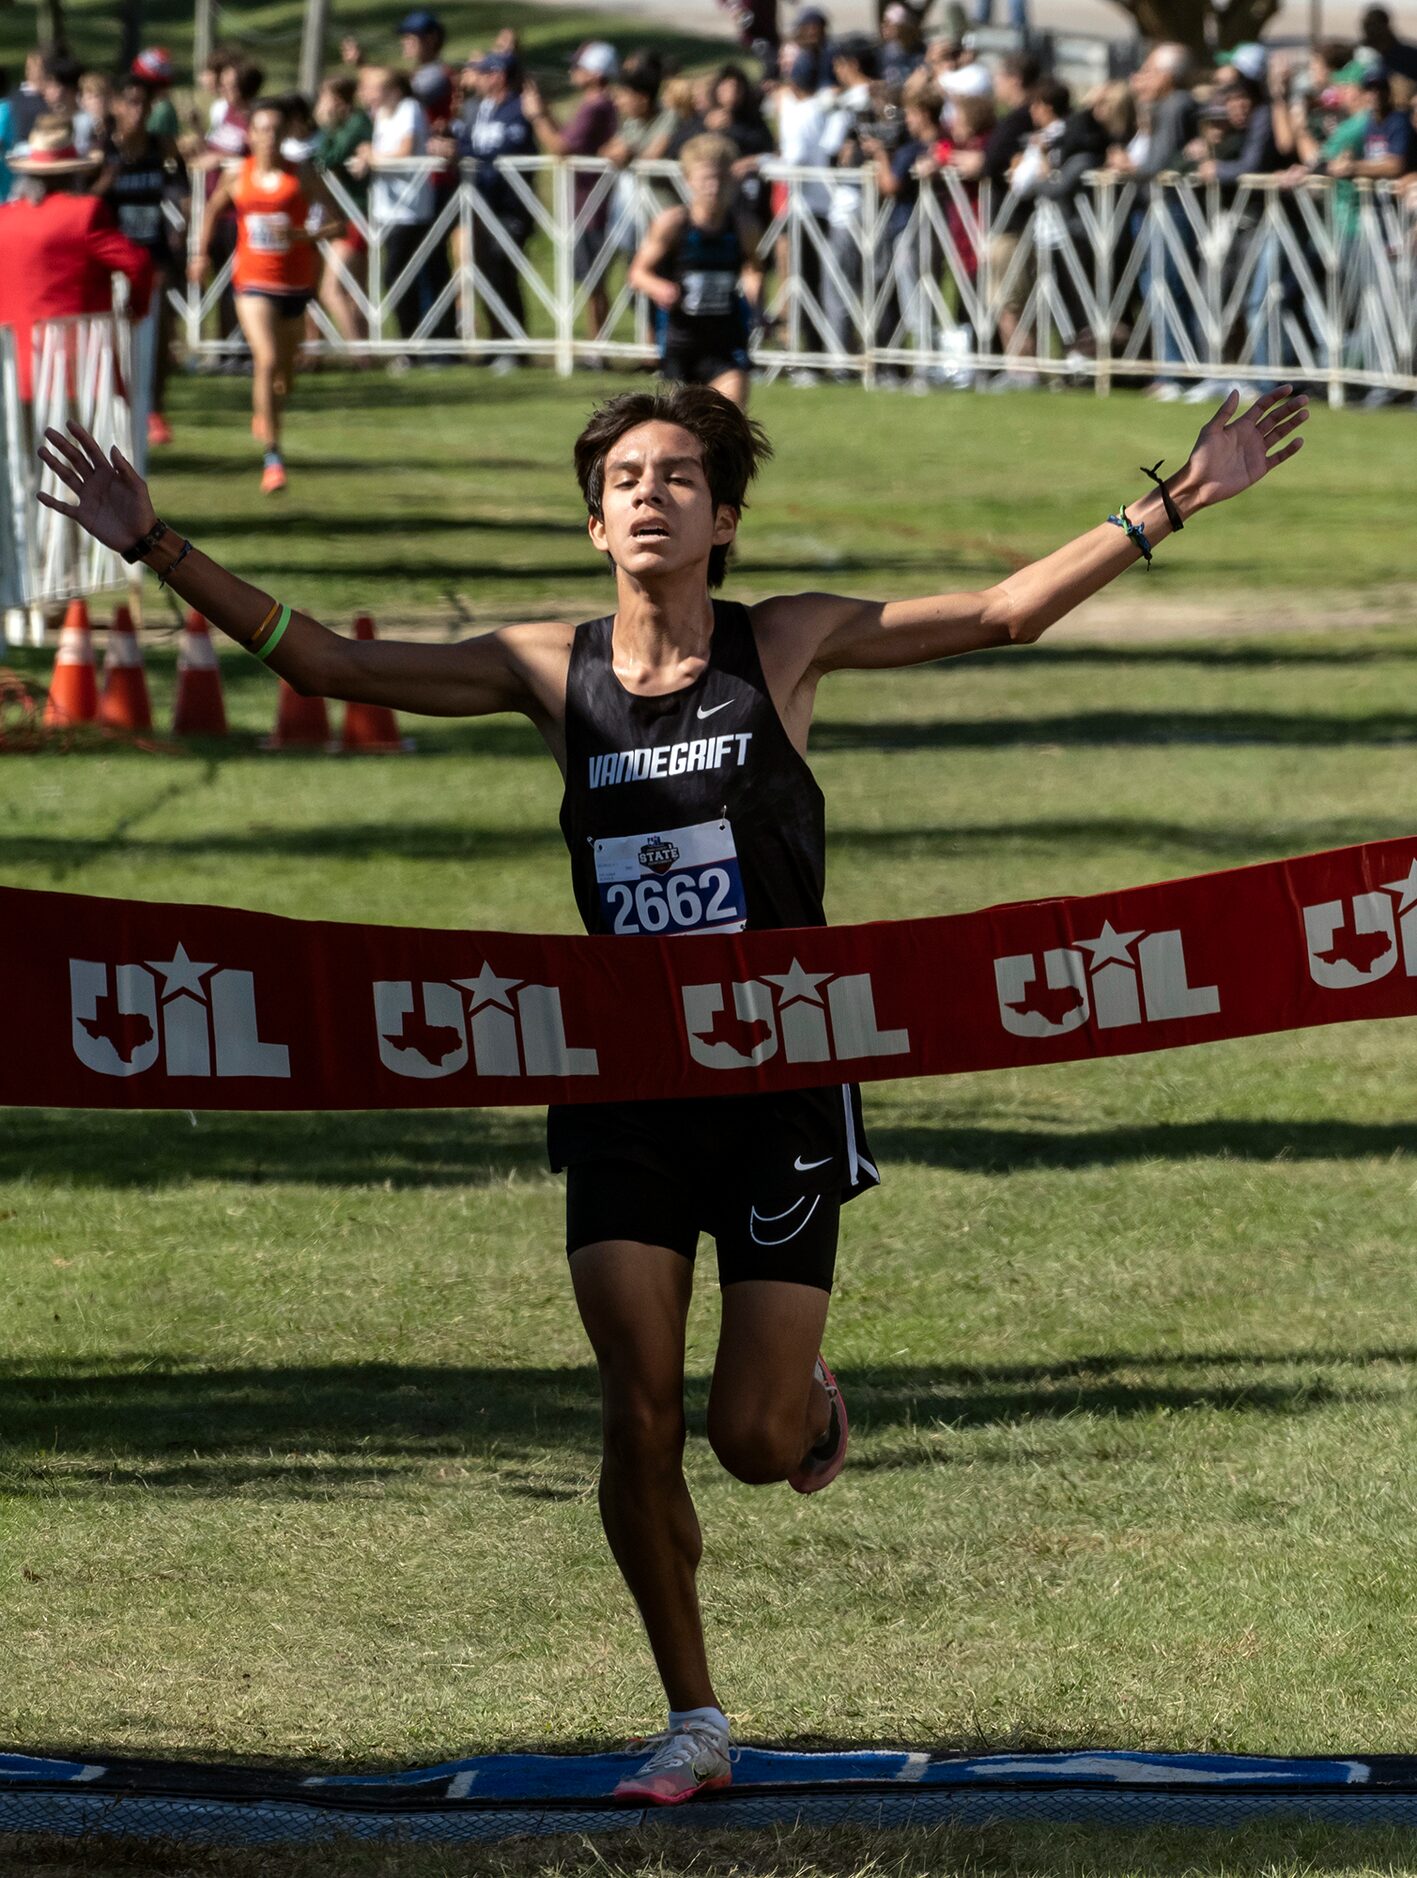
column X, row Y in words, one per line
column 113, row 503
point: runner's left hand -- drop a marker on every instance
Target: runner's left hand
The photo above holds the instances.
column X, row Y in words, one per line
column 1232, row 453
column 113, row 503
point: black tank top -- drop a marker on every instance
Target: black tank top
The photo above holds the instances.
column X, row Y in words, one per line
column 705, row 265
column 139, row 187
column 691, row 812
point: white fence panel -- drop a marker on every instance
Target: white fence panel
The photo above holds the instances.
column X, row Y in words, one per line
column 1181, row 279
column 81, row 369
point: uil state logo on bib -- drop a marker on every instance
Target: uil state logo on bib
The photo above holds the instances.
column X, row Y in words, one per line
column 681, row 880
column 658, row 855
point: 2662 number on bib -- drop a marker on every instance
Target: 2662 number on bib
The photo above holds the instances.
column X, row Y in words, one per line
column 678, row 880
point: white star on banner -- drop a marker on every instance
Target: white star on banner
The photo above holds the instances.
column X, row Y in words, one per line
column 1111, row 944
column 797, row 984
column 488, row 988
column 1406, row 888
column 180, row 973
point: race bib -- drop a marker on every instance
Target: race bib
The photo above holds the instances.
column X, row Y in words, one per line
column 708, row 294
column 680, row 880
column 268, row 234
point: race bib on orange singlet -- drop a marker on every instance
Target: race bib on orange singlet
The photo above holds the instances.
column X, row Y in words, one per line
column 268, row 234
column 678, row 881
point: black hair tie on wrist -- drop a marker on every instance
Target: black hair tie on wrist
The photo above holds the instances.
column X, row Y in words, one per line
column 1173, row 514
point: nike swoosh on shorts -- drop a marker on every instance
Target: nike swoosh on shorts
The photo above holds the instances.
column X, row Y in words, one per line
column 713, row 708
column 756, row 1219
column 805, row 1167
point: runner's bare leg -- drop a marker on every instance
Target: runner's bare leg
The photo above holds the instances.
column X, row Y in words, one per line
column 634, row 1301
column 766, row 1409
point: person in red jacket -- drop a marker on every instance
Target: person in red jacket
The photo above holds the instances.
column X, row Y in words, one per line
column 61, row 246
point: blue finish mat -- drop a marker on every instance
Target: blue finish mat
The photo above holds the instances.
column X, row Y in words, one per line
column 500, row 1795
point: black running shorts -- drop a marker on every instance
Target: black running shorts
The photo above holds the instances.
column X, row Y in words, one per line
column 791, row 1239
column 765, row 1176
column 685, row 366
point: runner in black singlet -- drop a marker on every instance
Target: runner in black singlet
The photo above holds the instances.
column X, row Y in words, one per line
column 142, row 174
column 695, row 263
column 680, row 724
column 732, row 837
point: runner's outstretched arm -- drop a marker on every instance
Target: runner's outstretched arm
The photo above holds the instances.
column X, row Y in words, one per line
column 1231, row 454
column 465, row 680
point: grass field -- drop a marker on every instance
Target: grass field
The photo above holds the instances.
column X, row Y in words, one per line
column 298, row 1429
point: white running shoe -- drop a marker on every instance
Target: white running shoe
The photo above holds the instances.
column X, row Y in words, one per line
column 686, row 1761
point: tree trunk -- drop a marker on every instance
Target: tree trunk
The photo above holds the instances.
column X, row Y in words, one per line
column 49, row 23
column 312, row 45
column 131, row 16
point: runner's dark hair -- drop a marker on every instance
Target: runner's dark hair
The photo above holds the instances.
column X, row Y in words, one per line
column 733, row 446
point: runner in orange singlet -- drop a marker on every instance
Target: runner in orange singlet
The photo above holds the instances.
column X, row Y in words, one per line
column 276, row 268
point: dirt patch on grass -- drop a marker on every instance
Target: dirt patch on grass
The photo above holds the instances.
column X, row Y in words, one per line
column 1122, row 614
column 1131, row 612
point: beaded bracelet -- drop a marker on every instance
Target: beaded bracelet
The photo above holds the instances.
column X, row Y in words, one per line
column 1134, row 532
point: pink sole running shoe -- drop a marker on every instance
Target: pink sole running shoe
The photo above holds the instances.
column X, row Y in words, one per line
column 684, row 1764
column 826, row 1460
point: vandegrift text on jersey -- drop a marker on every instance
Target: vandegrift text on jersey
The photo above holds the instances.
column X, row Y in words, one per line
column 669, row 759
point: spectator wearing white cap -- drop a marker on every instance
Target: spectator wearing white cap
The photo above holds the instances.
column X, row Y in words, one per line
column 592, row 126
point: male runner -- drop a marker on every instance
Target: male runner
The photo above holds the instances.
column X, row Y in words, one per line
column 695, row 263
column 664, row 474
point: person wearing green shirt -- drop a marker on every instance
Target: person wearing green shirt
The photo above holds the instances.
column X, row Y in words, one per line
column 344, row 127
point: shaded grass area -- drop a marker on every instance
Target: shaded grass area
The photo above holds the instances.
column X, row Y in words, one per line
column 298, row 1432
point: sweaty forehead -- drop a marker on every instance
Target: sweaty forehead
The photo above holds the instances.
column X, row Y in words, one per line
column 655, row 442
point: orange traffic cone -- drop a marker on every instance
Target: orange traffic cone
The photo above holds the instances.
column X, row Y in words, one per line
column 370, row 727
column 124, row 703
column 301, row 723
column 199, row 709
column 73, row 690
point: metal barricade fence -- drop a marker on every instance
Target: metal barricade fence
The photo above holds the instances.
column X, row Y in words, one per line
column 81, row 368
column 1181, row 280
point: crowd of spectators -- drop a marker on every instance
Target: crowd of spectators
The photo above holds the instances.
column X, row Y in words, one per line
column 920, row 110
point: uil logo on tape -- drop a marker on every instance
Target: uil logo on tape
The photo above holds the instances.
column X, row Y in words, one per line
column 1117, row 978
column 505, row 1026
column 196, row 1018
